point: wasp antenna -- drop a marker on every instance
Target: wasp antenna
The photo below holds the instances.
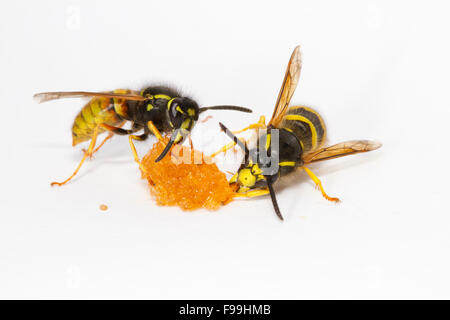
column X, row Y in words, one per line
column 274, row 199
column 235, row 108
column 247, row 152
column 235, row 139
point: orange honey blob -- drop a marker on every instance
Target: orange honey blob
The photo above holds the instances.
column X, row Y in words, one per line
column 177, row 180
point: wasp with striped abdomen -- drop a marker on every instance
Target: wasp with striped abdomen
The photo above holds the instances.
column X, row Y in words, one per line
column 293, row 138
column 153, row 110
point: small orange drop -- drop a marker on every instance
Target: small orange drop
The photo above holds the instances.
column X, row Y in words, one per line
column 103, row 207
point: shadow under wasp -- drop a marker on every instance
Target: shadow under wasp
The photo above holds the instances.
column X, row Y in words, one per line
column 153, row 110
column 301, row 134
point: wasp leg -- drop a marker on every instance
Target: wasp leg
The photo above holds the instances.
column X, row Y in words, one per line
column 252, row 126
column 144, row 136
column 87, row 153
column 155, row 132
column 109, row 136
column 253, row 193
column 91, row 150
column 226, row 148
column 131, row 137
column 133, row 148
column 261, row 124
column 319, row 185
column 190, row 142
column 191, row 145
column 117, row 130
column 262, row 120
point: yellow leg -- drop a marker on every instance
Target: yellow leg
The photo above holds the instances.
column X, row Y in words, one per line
column 156, row 132
column 192, row 147
column 226, row 148
column 261, row 124
column 87, row 153
column 262, row 120
column 319, row 185
column 109, row 136
column 136, row 156
column 190, row 143
column 253, row 193
column 252, row 126
column 133, row 150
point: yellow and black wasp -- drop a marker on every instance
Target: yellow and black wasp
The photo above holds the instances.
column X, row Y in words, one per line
column 154, row 110
column 299, row 134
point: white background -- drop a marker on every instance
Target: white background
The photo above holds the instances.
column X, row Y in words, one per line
column 374, row 69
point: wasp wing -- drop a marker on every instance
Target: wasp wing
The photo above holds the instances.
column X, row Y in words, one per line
column 288, row 87
column 340, row 150
column 48, row 96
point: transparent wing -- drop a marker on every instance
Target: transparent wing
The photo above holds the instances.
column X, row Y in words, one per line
column 288, row 87
column 48, row 96
column 341, row 150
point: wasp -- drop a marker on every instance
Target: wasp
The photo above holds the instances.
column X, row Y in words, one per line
column 300, row 135
column 153, row 110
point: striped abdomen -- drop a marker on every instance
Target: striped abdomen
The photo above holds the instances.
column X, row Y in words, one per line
column 96, row 111
column 307, row 125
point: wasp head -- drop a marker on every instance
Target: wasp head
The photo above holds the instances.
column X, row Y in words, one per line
column 183, row 112
column 253, row 175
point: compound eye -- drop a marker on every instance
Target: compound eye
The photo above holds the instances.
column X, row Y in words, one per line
column 176, row 113
column 173, row 108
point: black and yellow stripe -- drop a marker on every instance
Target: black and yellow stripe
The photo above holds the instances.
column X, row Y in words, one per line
column 307, row 125
column 96, row 111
